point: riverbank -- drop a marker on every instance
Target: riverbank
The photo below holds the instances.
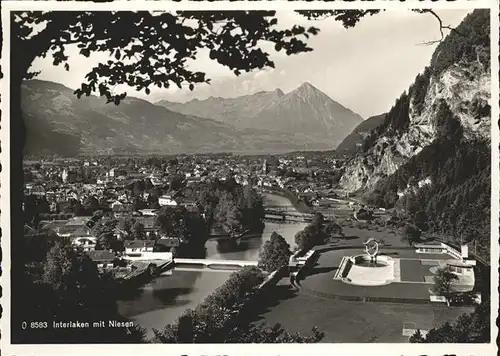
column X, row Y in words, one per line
column 299, row 205
column 164, row 299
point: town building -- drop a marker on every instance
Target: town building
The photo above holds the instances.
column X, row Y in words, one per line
column 167, row 200
column 138, row 247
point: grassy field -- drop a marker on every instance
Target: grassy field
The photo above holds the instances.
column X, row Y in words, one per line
column 343, row 321
column 348, row 321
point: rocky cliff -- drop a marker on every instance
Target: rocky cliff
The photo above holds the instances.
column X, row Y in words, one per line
column 431, row 158
column 457, row 81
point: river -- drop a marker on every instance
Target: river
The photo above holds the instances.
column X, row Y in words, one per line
column 162, row 301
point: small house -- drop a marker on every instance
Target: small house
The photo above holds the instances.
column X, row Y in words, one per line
column 121, row 207
column 116, row 172
column 167, row 200
column 149, row 212
column 149, row 224
column 103, row 258
column 137, row 247
column 87, row 243
column 38, row 190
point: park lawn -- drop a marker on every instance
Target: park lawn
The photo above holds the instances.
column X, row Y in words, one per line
column 343, row 321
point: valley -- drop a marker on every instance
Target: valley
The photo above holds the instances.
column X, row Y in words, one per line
column 270, row 216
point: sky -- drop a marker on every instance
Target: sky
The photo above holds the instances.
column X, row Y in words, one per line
column 364, row 68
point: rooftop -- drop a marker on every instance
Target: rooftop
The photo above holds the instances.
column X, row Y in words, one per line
column 101, row 255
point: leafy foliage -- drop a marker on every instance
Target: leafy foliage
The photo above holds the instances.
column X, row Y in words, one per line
column 332, row 230
column 104, row 230
column 457, row 202
column 443, row 280
column 420, row 220
column 275, row 253
column 411, row 234
column 312, row 235
column 188, row 226
column 152, row 49
column 218, row 319
column 233, row 207
column 468, row 328
column 419, row 89
column 138, row 231
column 67, row 286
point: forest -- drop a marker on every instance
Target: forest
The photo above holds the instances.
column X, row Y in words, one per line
column 457, row 202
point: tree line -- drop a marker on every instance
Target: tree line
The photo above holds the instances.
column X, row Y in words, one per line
column 223, row 317
column 456, row 203
column 318, row 232
column 276, row 252
column 229, row 206
column 468, row 328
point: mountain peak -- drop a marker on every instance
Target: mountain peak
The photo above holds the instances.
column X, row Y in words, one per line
column 307, row 85
column 305, row 90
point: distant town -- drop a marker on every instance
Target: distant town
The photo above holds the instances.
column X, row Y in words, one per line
column 70, row 195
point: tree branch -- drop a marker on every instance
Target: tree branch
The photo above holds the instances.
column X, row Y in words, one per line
column 441, row 26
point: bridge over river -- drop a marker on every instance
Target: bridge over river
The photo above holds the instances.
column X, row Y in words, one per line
column 213, row 263
column 286, row 213
column 163, row 301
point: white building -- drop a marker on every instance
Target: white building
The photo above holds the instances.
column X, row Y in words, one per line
column 149, row 212
column 167, row 200
column 137, row 248
column 87, row 243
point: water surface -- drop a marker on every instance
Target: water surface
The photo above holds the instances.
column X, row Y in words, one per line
column 167, row 297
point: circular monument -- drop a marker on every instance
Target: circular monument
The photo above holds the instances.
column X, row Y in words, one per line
column 369, row 269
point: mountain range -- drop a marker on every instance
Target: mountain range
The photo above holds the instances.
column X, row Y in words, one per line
column 305, row 110
column 265, row 122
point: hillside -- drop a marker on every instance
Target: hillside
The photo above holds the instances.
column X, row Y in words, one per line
column 58, row 122
column 349, row 145
column 432, row 153
column 306, row 112
column 234, row 111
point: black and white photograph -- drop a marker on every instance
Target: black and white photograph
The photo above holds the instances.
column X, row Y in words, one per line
column 249, row 174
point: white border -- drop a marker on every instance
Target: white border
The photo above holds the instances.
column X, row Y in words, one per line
column 159, row 5
column 239, row 349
